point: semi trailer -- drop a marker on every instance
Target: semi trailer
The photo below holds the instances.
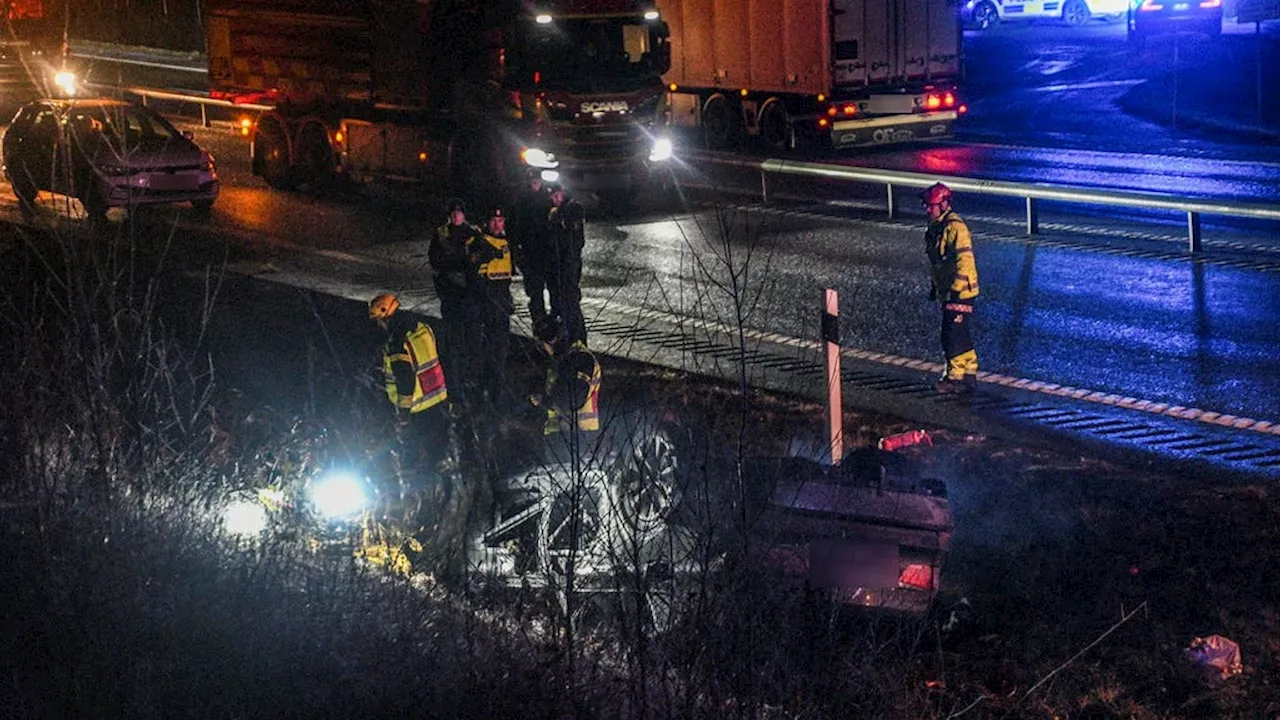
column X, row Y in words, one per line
column 829, row 73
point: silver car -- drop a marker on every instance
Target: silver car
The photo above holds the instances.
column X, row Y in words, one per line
column 106, row 153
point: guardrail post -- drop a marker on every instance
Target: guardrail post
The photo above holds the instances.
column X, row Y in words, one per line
column 1033, row 216
column 893, row 207
column 204, row 115
column 764, row 187
column 1194, row 236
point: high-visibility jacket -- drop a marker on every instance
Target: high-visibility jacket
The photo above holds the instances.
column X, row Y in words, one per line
column 498, row 268
column 950, row 250
column 558, row 376
column 418, row 352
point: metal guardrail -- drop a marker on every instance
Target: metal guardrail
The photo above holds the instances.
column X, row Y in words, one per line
column 201, row 99
column 1032, row 193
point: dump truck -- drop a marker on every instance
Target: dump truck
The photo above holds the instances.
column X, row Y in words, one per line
column 467, row 94
column 828, row 73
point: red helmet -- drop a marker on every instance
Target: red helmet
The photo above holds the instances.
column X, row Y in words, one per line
column 936, row 194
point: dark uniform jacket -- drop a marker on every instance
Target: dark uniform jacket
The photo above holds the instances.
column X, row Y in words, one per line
column 449, row 258
column 529, row 232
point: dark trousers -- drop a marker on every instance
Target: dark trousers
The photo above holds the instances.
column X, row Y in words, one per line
column 535, row 287
column 957, row 343
column 459, row 343
column 494, row 342
column 566, row 299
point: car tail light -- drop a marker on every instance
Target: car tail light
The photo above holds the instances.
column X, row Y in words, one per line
column 919, row 577
column 1211, row 3
column 850, row 109
column 1148, row 5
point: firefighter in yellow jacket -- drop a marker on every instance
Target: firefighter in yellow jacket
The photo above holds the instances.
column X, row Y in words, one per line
column 572, row 392
column 954, row 285
column 415, row 384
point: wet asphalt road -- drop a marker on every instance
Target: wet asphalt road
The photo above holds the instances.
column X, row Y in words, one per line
column 1108, row 304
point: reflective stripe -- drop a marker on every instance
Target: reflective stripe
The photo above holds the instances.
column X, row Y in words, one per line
column 499, row 268
column 430, row 389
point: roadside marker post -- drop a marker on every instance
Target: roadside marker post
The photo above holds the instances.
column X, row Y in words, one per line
column 835, row 413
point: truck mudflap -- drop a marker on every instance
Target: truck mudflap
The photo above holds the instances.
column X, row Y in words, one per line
column 893, row 129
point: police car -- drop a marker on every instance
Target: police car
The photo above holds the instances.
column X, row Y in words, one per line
column 988, row 13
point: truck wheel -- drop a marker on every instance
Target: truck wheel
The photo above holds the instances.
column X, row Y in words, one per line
column 271, row 156
column 775, row 126
column 985, row 15
column 1076, row 13
column 315, row 156
column 720, row 130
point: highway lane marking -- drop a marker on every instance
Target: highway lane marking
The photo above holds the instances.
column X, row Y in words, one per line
column 353, row 291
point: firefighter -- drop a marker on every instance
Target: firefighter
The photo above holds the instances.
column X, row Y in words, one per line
column 954, row 285
column 415, row 384
column 460, row 296
column 491, row 258
column 571, row 395
column 529, row 242
column 566, row 231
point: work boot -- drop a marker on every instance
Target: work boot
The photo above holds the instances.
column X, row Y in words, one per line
column 955, row 386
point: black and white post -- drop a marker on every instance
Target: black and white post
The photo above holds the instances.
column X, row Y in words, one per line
column 835, row 413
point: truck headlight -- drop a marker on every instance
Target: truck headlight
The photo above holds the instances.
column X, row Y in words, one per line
column 339, row 495
column 539, row 158
column 661, row 150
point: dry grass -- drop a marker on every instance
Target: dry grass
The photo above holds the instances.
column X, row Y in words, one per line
column 126, row 600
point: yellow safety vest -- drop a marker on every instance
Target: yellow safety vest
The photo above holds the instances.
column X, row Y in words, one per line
column 498, row 268
column 429, row 388
column 589, row 414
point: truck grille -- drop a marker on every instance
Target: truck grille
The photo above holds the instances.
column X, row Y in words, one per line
column 604, row 142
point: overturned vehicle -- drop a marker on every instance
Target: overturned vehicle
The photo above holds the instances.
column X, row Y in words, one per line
column 644, row 513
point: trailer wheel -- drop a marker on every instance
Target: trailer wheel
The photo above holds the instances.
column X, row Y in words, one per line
column 720, row 129
column 1075, row 13
column 775, row 126
column 271, row 156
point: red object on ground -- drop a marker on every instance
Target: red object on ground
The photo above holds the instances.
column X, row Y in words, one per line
column 906, row 439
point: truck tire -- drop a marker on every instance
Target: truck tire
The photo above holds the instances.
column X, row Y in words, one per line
column 315, row 166
column 719, row 127
column 1076, row 13
column 271, row 156
column 775, row 126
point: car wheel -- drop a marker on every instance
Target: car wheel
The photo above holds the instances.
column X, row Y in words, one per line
column 1076, row 13
column 985, row 16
